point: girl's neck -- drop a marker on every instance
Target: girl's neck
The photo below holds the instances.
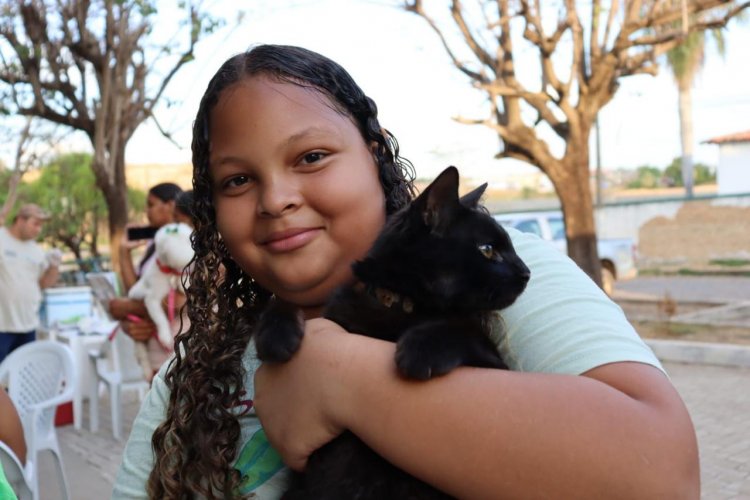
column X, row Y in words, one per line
column 311, row 312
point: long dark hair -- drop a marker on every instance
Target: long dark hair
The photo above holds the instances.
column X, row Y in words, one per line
column 166, row 192
column 196, row 444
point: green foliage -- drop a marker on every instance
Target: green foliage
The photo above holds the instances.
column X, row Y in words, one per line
column 79, row 211
column 702, row 174
column 65, row 189
column 730, row 262
column 647, row 176
column 687, row 58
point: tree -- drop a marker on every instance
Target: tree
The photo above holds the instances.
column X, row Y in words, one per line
column 78, row 212
column 97, row 67
column 647, row 176
column 31, row 148
column 685, row 61
column 701, row 174
column 579, row 66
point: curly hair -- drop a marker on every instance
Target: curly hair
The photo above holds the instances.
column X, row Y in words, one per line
column 196, row 444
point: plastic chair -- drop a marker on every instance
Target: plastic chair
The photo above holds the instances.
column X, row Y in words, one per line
column 15, row 473
column 40, row 377
column 115, row 365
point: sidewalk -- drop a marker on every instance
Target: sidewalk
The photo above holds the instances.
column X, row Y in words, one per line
column 717, row 397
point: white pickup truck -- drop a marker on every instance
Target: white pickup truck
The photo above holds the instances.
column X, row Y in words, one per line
column 617, row 255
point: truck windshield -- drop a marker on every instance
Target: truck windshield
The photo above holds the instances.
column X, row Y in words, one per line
column 557, row 228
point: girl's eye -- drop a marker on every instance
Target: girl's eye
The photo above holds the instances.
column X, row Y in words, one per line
column 486, row 250
column 236, row 181
column 313, row 157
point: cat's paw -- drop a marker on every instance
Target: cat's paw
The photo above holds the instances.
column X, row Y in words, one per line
column 422, row 356
column 278, row 334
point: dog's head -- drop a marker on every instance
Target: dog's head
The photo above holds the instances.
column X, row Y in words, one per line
column 173, row 247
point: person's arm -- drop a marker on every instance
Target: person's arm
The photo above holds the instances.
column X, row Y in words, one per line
column 620, row 431
column 49, row 276
column 11, row 430
column 127, row 269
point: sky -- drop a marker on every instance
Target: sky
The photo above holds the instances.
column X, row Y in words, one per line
column 400, row 63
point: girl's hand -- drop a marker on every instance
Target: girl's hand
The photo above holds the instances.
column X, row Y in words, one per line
column 140, row 331
column 300, row 402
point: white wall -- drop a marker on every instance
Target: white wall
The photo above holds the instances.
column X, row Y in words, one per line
column 623, row 220
column 733, row 173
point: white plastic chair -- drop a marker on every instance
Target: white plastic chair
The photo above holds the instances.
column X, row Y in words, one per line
column 115, row 365
column 40, row 377
column 15, row 473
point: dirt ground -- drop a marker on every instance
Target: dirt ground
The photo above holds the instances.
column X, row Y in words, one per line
column 652, row 321
column 699, row 234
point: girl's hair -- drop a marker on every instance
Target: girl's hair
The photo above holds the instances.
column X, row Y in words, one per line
column 184, row 203
column 166, row 191
column 196, row 444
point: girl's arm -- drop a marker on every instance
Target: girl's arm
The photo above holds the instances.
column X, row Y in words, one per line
column 11, row 429
column 619, row 431
column 127, row 269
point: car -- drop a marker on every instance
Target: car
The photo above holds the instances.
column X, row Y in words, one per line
column 617, row 255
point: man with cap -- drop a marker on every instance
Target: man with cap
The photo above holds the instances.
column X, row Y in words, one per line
column 24, row 271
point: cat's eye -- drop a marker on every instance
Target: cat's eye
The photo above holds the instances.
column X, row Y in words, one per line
column 486, row 250
column 489, row 252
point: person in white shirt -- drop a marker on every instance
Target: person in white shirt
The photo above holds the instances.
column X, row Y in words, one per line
column 25, row 270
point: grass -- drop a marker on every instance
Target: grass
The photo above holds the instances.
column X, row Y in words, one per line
column 683, row 271
column 730, row 262
column 700, row 333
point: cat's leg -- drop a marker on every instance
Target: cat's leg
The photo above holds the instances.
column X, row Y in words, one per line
column 435, row 348
column 279, row 332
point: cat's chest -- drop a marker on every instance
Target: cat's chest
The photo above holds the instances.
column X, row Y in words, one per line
column 366, row 314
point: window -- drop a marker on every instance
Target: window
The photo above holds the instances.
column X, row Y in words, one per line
column 529, row 226
column 557, row 228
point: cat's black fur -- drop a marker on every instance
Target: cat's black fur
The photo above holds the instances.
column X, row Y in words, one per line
column 430, row 283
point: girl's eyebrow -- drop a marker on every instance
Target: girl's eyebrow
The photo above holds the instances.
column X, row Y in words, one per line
column 312, row 131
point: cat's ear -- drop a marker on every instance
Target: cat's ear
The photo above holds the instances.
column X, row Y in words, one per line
column 438, row 198
column 470, row 200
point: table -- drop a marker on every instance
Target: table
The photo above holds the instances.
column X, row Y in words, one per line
column 80, row 344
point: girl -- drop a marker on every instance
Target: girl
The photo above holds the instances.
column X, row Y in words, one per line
column 293, row 179
column 160, row 210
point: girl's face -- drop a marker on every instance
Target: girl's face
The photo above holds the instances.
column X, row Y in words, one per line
column 296, row 188
column 159, row 212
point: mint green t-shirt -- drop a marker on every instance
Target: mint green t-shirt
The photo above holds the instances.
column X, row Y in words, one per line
column 562, row 323
column 6, row 492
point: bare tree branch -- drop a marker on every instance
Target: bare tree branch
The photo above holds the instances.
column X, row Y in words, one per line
column 636, row 33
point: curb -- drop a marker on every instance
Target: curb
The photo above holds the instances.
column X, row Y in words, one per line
column 704, row 353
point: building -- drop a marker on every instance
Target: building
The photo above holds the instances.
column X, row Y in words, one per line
column 733, row 172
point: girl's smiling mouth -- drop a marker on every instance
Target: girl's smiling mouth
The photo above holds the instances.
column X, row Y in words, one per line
column 290, row 239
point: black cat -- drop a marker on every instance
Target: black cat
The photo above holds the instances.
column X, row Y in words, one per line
column 430, row 283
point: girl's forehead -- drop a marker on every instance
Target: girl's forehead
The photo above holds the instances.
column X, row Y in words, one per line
column 264, row 89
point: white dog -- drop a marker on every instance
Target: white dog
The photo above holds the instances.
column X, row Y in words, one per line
column 161, row 274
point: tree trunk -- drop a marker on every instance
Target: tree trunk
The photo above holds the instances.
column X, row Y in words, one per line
column 574, row 191
column 686, row 135
column 115, row 194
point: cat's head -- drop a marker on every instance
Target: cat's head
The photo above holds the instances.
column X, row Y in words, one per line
column 446, row 252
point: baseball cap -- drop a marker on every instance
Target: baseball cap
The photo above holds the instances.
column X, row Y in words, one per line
column 32, row 210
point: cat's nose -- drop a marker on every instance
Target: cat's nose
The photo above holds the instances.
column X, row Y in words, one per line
column 524, row 272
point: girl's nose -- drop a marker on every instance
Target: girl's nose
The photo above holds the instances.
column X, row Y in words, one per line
column 277, row 197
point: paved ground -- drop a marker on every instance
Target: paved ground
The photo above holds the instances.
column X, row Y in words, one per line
column 717, row 397
column 717, row 289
